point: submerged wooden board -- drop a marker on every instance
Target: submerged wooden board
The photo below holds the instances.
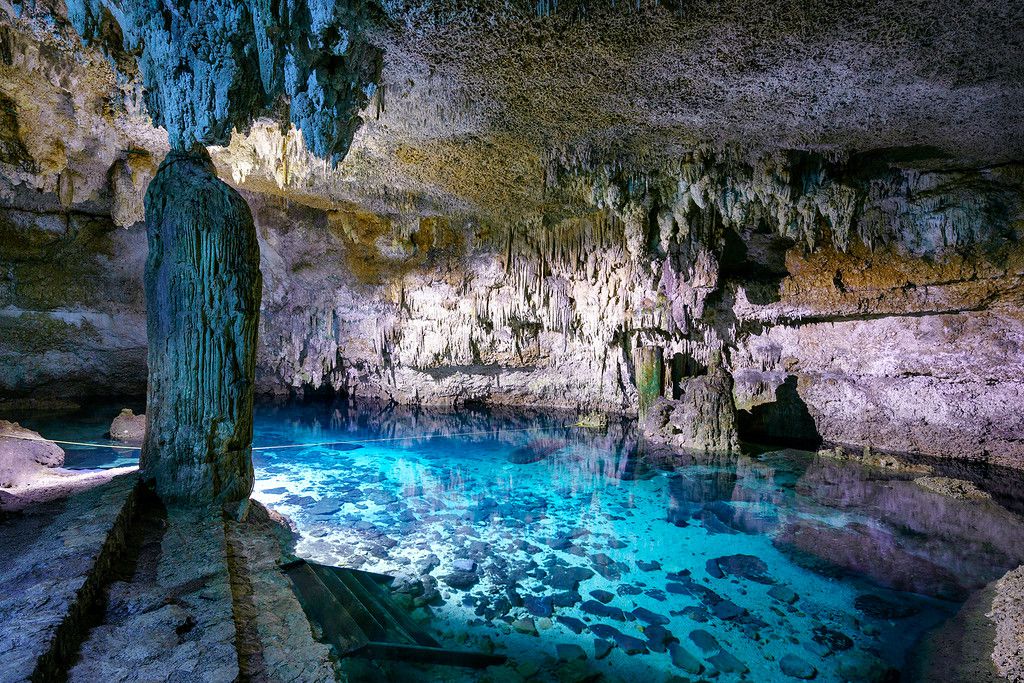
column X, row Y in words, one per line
column 355, row 614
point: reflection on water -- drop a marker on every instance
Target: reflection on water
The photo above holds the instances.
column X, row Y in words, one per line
column 680, row 564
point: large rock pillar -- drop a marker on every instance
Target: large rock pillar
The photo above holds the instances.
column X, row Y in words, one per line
column 203, row 288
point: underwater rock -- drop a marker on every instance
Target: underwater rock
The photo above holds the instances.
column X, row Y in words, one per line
column 25, row 455
column 647, row 616
column 682, row 659
column 461, row 580
column 832, row 639
column 783, row 594
column 745, row 566
column 602, row 648
column 601, row 610
column 568, row 578
column 602, row 596
column 538, row 606
column 726, row 662
column 957, row 489
column 569, row 651
column 877, row 607
column 705, row 641
column 128, row 427
column 796, row 667
column 571, row 623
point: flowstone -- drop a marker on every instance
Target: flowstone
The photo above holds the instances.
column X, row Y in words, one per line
column 203, row 287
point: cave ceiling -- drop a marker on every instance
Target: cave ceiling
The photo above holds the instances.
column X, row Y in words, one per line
column 480, row 104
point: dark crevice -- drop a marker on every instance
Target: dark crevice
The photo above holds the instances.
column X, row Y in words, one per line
column 785, row 421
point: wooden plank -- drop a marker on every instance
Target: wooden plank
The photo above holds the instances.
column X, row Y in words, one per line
column 417, row 634
column 322, row 607
column 429, row 655
column 363, row 612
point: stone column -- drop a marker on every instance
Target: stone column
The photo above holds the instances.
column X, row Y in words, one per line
column 649, row 380
column 203, row 288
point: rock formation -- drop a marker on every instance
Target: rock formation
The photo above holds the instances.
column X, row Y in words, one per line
column 25, row 455
column 128, row 427
column 203, row 288
column 503, row 231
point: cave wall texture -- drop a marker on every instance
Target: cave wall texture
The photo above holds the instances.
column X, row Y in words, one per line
column 826, row 205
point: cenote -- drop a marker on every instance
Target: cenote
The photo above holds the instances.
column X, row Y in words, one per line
column 506, row 341
column 518, row 531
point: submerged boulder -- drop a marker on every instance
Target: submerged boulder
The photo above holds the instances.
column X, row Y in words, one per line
column 25, row 455
column 128, row 427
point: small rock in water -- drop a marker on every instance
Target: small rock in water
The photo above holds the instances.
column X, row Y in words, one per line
column 832, row 639
column 630, row 645
column 727, row 663
column 464, row 565
column 796, row 667
column 571, row 623
column 569, row 578
column 651, row 566
column 783, row 594
column 682, row 659
column 746, row 566
column 538, row 606
column 462, row 580
column 727, row 610
column 565, row 599
column 602, row 596
column 705, row 641
column 647, row 616
column 605, row 631
column 602, row 648
column 570, row 651
column 525, row 626
column 878, row 607
column 596, row 608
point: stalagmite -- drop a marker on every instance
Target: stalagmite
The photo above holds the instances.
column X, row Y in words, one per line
column 203, row 288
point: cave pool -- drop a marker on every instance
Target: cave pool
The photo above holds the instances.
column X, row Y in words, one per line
column 775, row 563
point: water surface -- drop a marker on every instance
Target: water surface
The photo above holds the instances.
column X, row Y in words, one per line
column 520, row 522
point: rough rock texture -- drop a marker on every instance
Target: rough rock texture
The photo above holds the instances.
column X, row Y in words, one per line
column 1008, row 615
column 128, row 427
column 51, row 554
column 213, row 66
column 25, row 455
column 826, row 197
column 702, row 417
column 203, row 288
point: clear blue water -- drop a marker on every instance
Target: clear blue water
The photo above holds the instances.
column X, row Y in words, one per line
column 520, row 522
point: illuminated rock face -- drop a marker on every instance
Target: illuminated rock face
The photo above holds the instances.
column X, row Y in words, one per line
column 203, row 288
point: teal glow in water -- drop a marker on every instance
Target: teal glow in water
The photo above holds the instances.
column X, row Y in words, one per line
column 718, row 565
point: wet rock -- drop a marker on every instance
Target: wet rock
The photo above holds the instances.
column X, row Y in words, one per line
column 658, row 638
column 427, row 564
column 569, row 651
column 958, row 489
column 569, row 578
column 526, row 626
column 832, row 639
column 648, row 617
column 698, row 614
column 461, row 580
column 605, row 631
column 783, row 594
column 630, row 645
column 682, row 659
column 648, row 566
column 626, row 589
column 602, row 648
column 727, row 610
column 745, row 566
column 128, row 427
column 602, row 596
column 601, row 610
column 538, row 606
column 795, row 667
column 464, row 565
column 879, row 608
column 566, row 599
column 705, row 641
column 571, row 623
column 726, row 663
column 325, row 507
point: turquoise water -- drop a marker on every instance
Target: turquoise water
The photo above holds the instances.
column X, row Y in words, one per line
column 529, row 534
